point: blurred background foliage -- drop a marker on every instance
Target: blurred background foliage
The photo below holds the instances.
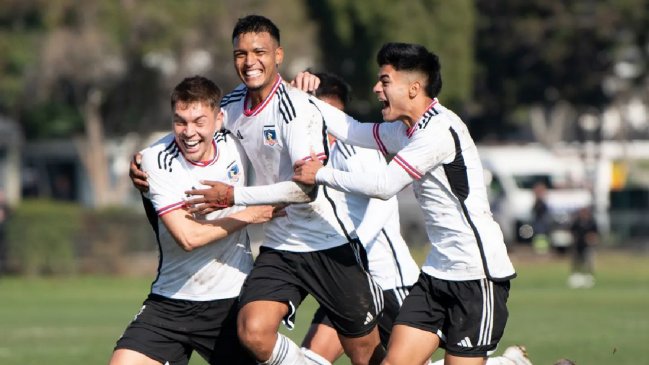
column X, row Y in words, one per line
column 62, row 58
column 48, row 237
column 85, row 74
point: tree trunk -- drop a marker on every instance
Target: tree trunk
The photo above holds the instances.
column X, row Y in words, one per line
column 93, row 150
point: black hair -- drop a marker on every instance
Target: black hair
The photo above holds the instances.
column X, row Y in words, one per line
column 196, row 89
column 255, row 24
column 333, row 85
column 413, row 57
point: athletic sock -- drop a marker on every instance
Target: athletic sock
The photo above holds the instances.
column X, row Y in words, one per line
column 285, row 352
column 313, row 358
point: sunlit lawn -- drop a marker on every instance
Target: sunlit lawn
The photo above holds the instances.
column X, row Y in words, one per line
column 77, row 320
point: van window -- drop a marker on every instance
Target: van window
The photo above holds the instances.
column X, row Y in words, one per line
column 528, row 181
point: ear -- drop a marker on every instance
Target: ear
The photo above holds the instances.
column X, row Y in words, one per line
column 219, row 120
column 414, row 89
column 279, row 55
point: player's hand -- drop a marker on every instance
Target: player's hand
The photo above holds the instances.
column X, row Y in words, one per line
column 263, row 213
column 306, row 82
column 304, row 171
column 203, row 201
column 138, row 177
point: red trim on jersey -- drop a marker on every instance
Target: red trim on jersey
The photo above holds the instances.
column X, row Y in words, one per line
column 203, row 163
column 321, row 156
column 164, row 210
column 377, row 138
column 256, row 110
column 412, row 129
column 406, row 166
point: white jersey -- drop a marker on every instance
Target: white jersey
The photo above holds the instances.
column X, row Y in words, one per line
column 281, row 130
column 214, row 271
column 441, row 160
column 389, row 259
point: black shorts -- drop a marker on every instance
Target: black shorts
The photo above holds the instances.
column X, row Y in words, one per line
column 168, row 330
column 335, row 277
column 393, row 299
column 468, row 316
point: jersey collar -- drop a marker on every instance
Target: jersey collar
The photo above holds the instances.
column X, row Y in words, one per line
column 256, row 110
column 426, row 114
column 206, row 162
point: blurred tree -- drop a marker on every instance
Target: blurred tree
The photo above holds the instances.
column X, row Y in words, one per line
column 105, row 68
column 352, row 31
column 549, row 57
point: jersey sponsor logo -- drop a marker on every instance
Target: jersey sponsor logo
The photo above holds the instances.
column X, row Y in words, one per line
column 234, row 172
column 270, row 136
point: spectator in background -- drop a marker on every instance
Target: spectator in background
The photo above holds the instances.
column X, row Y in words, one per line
column 541, row 220
column 585, row 236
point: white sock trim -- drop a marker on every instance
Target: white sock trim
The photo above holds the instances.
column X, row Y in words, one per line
column 314, row 358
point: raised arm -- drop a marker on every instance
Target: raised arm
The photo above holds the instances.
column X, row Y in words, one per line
column 382, row 184
column 345, row 127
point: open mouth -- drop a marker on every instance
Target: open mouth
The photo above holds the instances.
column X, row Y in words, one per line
column 252, row 73
column 191, row 146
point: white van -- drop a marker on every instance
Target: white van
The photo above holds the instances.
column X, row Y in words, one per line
column 511, row 172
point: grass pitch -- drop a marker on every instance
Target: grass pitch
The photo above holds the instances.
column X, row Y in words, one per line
column 77, row 320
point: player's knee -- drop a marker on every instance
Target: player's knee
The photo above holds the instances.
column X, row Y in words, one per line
column 255, row 334
column 366, row 351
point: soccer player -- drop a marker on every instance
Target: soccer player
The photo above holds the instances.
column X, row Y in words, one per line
column 309, row 251
column 203, row 261
column 459, row 302
column 377, row 226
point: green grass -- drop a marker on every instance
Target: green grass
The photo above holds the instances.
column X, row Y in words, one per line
column 77, row 320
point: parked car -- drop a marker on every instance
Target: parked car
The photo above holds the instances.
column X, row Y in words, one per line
column 511, row 172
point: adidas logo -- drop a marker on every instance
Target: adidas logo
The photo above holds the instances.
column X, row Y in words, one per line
column 239, row 134
column 466, row 342
column 369, row 318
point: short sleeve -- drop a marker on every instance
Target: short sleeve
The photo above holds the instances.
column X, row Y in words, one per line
column 166, row 187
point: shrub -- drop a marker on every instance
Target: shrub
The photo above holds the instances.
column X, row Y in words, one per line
column 41, row 237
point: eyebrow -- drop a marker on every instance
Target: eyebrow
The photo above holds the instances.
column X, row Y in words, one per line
column 177, row 116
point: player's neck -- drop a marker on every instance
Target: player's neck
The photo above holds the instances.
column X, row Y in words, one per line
column 419, row 106
column 257, row 96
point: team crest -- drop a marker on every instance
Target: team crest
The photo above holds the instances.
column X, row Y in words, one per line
column 270, row 136
column 234, row 173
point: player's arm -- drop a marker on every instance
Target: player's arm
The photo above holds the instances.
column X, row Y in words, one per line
column 377, row 212
column 167, row 199
column 381, row 184
column 376, row 216
column 423, row 153
column 190, row 234
column 220, row 195
column 345, row 127
column 304, row 139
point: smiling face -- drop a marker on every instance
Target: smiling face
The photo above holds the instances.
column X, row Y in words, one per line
column 194, row 125
column 393, row 91
column 257, row 57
